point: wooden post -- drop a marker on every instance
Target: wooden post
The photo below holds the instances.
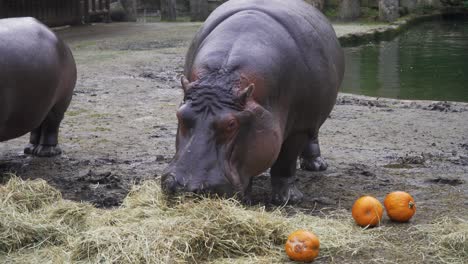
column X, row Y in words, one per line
column 2, row 12
column 86, row 11
column 77, row 13
column 198, row 10
column 108, row 17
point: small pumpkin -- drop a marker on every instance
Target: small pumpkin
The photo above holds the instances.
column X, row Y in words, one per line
column 400, row 206
column 302, row 246
column 367, row 211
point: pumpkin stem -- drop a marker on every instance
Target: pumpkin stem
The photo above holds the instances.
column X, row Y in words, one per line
column 410, row 205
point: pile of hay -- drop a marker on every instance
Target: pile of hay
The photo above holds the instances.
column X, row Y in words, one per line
column 38, row 226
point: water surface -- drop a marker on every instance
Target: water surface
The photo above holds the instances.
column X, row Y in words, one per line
column 429, row 61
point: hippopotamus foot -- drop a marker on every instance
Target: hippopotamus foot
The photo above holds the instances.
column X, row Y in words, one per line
column 44, row 139
column 34, row 139
column 29, row 149
column 42, row 150
column 286, row 193
column 315, row 164
column 47, row 151
column 310, row 157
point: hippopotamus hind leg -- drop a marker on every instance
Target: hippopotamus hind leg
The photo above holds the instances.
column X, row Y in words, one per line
column 311, row 159
column 34, row 139
column 283, row 172
column 44, row 140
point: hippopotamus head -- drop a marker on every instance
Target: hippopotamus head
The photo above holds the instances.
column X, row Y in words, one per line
column 224, row 138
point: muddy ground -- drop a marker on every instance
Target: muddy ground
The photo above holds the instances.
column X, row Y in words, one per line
column 120, row 129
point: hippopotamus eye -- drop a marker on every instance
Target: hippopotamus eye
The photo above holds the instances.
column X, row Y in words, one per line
column 186, row 119
column 230, row 125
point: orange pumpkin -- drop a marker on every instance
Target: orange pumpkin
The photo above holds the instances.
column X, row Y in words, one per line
column 302, row 246
column 400, row 206
column 367, row 211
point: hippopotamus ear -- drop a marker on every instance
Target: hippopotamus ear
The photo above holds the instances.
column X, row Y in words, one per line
column 185, row 84
column 246, row 93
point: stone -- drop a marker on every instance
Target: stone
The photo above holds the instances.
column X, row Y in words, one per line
column 130, row 8
column 124, row 10
column 388, row 10
column 117, row 12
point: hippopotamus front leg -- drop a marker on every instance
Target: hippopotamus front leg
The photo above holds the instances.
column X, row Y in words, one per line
column 43, row 141
column 283, row 171
column 310, row 157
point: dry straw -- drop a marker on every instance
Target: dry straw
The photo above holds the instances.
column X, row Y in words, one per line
column 38, row 226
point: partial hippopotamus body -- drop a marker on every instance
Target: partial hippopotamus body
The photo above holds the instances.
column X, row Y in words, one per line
column 37, row 78
column 261, row 78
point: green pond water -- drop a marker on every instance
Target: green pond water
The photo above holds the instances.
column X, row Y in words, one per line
column 428, row 62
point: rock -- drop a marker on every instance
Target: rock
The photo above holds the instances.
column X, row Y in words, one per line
column 349, row 9
column 130, row 8
column 388, row 10
column 403, row 11
column 124, row 10
column 117, row 13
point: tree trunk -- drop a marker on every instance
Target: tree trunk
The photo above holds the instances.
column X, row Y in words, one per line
column 168, row 10
column 198, row 10
column 349, row 9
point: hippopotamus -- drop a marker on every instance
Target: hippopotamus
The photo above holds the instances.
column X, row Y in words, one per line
column 37, row 78
column 260, row 79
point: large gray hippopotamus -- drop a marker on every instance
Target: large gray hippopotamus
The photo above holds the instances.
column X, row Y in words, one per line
column 261, row 78
column 37, row 78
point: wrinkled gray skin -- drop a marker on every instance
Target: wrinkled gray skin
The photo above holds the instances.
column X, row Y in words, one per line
column 37, row 78
column 261, row 78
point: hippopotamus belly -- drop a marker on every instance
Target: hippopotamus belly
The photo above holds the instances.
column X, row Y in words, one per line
column 263, row 76
column 37, row 78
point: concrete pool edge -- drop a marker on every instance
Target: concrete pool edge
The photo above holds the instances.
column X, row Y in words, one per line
column 391, row 30
column 373, row 101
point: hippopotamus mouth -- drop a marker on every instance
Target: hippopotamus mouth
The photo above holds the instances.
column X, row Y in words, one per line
column 208, row 171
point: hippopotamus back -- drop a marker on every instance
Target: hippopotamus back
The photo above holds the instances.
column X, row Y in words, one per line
column 263, row 76
column 309, row 29
column 272, row 43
